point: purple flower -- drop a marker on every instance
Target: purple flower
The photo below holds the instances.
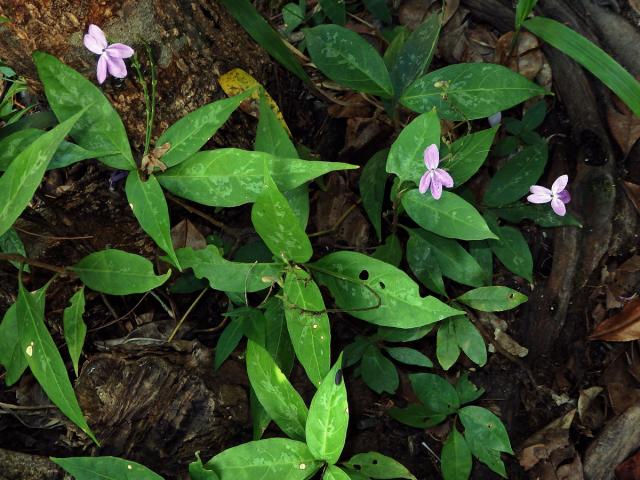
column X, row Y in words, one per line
column 558, row 196
column 111, row 56
column 434, row 177
column 495, row 119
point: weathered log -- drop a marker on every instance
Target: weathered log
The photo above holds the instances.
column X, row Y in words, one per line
column 22, row 466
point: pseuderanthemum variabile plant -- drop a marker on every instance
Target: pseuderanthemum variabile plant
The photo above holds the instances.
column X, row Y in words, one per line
column 111, row 56
column 558, row 195
column 434, row 178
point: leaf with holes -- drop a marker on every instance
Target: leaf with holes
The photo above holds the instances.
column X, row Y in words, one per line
column 278, row 397
column 278, row 226
column 43, row 356
column 101, row 129
column 229, row 177
column 328, row 417
column 372, row 184
column 273, row 458
column 376, row 465
column 105, row 468
column 74, row 327
column 149, row 206
column 468, row 91
column 225, row 275
column 492, row 299
column 377, row 292
column 450, row 216
column 348, row 59
column 467, row 155
column 308, row 324
column 436, row 394
column 193, row 131
column 406, row 157
column 378, row 372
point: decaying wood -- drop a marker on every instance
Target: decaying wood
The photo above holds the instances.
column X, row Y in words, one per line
column 193, row 43
column 160, row 407
column 22, row 466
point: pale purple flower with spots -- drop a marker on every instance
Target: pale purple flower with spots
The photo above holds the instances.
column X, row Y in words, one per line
column 434, row 177
column 558, row 196
column 111, row 56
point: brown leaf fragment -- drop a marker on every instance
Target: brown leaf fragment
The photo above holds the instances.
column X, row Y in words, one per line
column 625, row 128
column 622, row 327
column 185, row 234
column 542, row 447
column 629, row 469
column 633, row 192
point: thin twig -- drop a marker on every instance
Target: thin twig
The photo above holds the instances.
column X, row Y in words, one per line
column 50, row 237
column 228, row 230
column 338, row 223
column 186, row 314
column 14, row 257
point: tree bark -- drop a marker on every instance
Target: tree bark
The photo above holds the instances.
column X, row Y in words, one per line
column 192, row 41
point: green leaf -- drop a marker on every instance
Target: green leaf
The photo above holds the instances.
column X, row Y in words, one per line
column 228, row 341
column 271, row 137
column 436, row 394
column 256, row 26
column 104, row 468
column 277, row 339
column 149, row 206
column 450, row 216
column 416, row 53
column 416, row 416
column 513, row 180
column 13, row 144
column 379, row 9
column 534, row 116
column 278, row 226
column 43, row 357
column 468, row 91
column 278, row 397
column 193, row 131
column 468, row 154
column 483, row 427
column 390, row 334
column 69, row 153
column 377, row 292
column 424, row 264
column 353, row 352
column 409, row 356
column 273, row 458
column 483, row 255
column 10, row 242
column 348, row 59
column 491, row 458
column 74, row 327
column 335, row 473
column 335, row 10
column 390, row 251
column 396, row 38
column 513, row 251
column 378, row 372
column 228, row 276
column 406, row 157
column 12, row 356
column 467, row 391
column 593, row 58
column 378, row 466
column 454, row 261
column 293, row 16
column 542, row 215
column 197, row 471
column 456, row 458
column 118, row 273
column 372, row 184
column 23, row 176
column 447, row 349
column 229, row 177
column 492, row 299
column 69, row 92
column 308, row 324
column 328, row 417
column 523, row 10
column 470, row 340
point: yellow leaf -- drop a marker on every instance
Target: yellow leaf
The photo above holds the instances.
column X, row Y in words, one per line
column 237, row 81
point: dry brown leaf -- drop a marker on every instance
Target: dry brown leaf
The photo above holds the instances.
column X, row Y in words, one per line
column 185, row 234
column 629, row 469
column 633, row 192
column 635, row 4
column 622, row 327
column 625, row 128
column 590, row 411
column 540, row 446
column 527, row 59
column 571, row 471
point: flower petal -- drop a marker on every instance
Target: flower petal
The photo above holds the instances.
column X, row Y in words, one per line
column 431, row 157
column 495, row 119
column 443, row 177
column 425, row 181
column 98, row 36
column 558, row 207
column 539, row 198
column 120, row 50
column 564, row 196
column 116, row 66
column 538, row 190
column 436, row 188
column 92, row 44
column 101, row 70
column 560, row 183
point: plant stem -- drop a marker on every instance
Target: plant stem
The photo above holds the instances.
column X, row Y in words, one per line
column 186, row 314
column 14, row 257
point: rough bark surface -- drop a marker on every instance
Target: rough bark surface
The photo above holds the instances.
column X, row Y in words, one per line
column 193, row 42
column 22, row 466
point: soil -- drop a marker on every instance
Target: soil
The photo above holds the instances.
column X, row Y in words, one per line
column 160, row 403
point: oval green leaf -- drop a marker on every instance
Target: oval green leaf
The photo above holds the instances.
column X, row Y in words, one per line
column 470, row 340
column 74, row 327
column 456, row 457
column 467, row 155
column 513, row 251
column 436, row 394
column 105, row 468
column 409, row 356
column 12, row 357
column 378, row 372
column 376, row 465
column 447, row 349
column 492, row 299
column 373, row 180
